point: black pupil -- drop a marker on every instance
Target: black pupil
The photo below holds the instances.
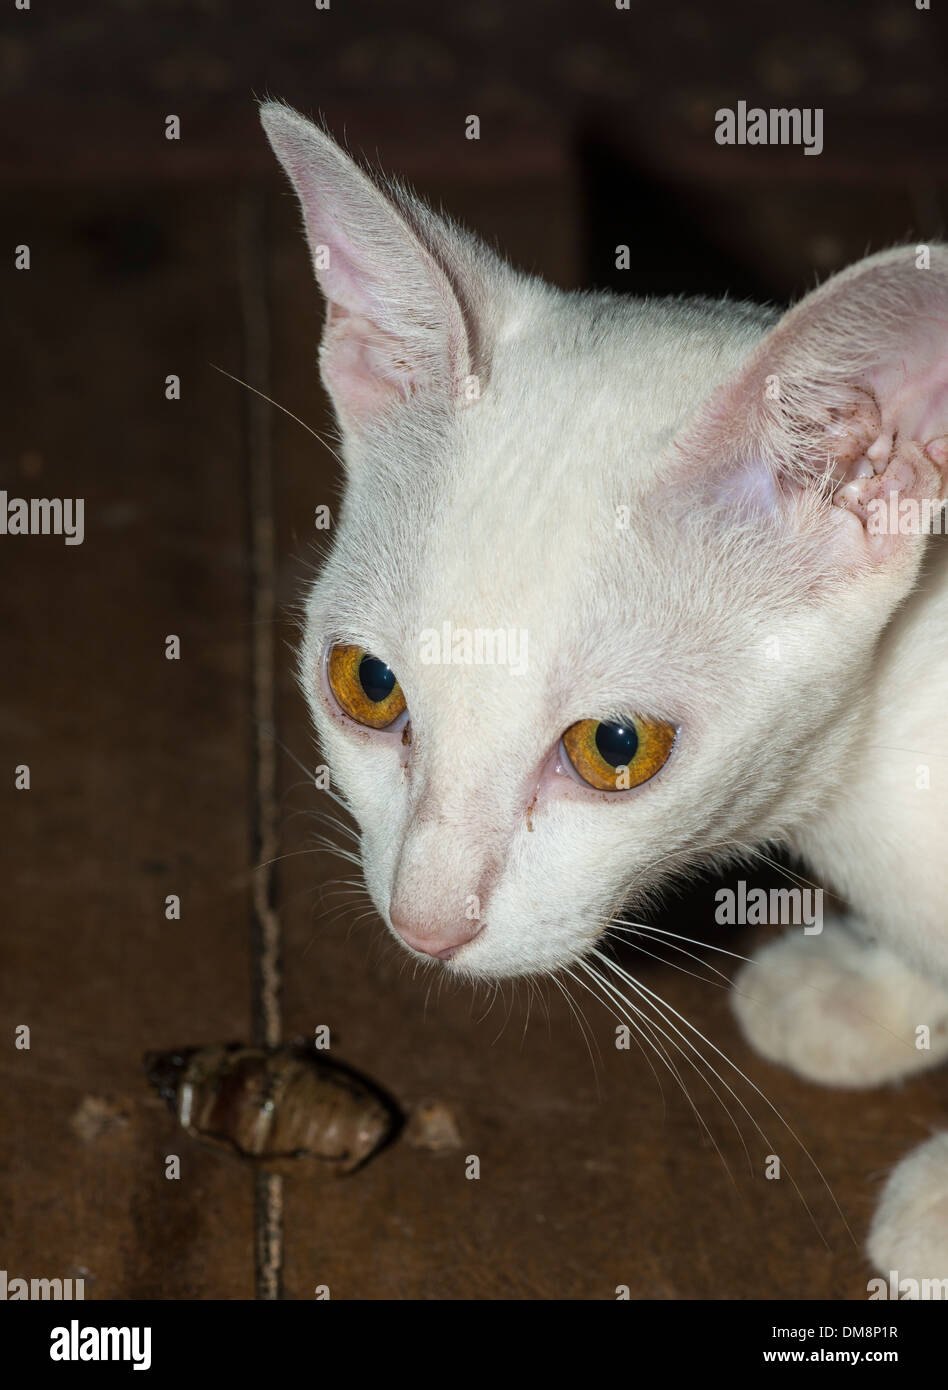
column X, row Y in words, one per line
column 617, row 743
column 378, row 680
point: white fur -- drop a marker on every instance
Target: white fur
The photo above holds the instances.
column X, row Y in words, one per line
column 804, row 662
column 839, row 1010
column 909, row 1232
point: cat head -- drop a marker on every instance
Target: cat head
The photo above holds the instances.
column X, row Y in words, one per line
column 606, row 584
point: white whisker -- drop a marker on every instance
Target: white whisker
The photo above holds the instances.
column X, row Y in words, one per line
column 270, row 401
column 659, row 1005
column 632, row 1016
column 724, row 983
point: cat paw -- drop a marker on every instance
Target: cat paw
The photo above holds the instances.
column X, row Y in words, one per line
column 909, row 1232
column 839, row 1011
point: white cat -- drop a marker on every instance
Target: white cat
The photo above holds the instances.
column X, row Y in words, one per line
column 675, row 510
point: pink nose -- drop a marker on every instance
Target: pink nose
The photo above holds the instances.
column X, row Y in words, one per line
column 442, row 942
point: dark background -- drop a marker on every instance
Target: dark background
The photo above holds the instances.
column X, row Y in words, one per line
column 150, row 777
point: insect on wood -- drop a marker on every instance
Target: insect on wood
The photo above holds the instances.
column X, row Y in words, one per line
column 278, row 1108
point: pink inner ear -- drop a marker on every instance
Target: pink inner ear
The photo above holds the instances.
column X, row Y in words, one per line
column 342, row 281
column 363, row 366
column 914, row 397
column 749, row 487
column 850, row 380
column 901, row 436
column 394, row 323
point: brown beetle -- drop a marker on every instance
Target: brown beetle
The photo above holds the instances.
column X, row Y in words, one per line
column 277, row 1107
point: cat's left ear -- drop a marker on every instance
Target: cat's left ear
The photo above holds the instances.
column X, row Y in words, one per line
column 395, row 325
column 844, row 403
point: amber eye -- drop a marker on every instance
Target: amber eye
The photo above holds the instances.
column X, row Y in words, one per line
column 615, row 757
column 365, row 687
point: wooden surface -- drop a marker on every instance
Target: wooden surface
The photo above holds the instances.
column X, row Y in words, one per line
column 89, row 87
column 145, row 773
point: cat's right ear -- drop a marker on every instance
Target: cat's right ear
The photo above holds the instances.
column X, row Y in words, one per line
column 838, row 420
column 394, row 324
